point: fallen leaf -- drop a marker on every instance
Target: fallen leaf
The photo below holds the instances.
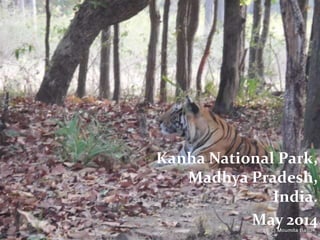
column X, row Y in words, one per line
column 43, row 225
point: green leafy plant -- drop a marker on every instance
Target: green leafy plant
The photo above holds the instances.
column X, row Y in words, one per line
column 314, row 170
column 248, row 89
column 276, row 159
column 83, row 142
column 25, row 48
column 210, row 89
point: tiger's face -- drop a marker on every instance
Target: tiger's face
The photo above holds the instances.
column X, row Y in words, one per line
column 175, row 120
column 172, row 120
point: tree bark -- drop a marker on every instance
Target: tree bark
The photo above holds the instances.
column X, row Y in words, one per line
column 187, row 24
column 182, row 48
column 47, row 35
column 86, row 25
column 207, row 49
column 242, row 41
column 116, row 64
column 294, row 28
column 312, row 114
column 193, row 22
column 152, row 52
column 164, row 49
column 263, row 39
column 104, row 88
column 82, row 78
column 255, row 38
column 229, row 75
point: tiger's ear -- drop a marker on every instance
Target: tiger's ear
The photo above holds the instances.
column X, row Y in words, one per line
column 191, row 106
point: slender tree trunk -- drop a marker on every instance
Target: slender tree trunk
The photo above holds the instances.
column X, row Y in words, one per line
column 312, row 114
column 308, row 58
column 303, row 4
column 255, row 36
column 152, row 52
column 182, row 48
column 164, row 49
column 207, row 49
column 193, row 22
column 116, row 64
column 294, row 28
column 84, row 28
column 263, row 39
column 47, row 35
column 82, row 78
column 104, row 88
column 242, row 42
column 229, row 75
column 187, row 23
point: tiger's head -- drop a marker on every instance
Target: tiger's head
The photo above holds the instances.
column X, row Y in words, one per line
column 175, row 120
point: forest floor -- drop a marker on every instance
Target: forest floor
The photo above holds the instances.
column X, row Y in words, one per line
column 44, row 196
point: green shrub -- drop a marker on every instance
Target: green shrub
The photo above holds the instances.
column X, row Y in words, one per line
column 276, row 159
column 82, row 142
column 210, row 89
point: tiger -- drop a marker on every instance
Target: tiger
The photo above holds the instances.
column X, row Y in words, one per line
column 205, row 132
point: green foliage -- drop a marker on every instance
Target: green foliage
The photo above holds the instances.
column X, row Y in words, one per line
column 25, row 48
column 210, row 89
column 248, row 88
column 314, row 171
column 276, row 159
column 245, row 2
column 168, row 80
column 59, row 30
column 181, row 93
column 83, row 142
column 76, row 7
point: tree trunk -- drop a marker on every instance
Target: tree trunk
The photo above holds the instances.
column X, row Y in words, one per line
column 164, row 48
column 207, row 49
column 229, row 75
column 303, row 4
column 193, row 22
column 242, row 42
column 263, row 39
column 47, row 35
column 312, row 114
column 82, row 78
column 182, row 48
column 86, row 25
column 187, row 24
column 152, row 52
column 116, row 64
column 294, row 29
column 255, row 36
column 104, row 88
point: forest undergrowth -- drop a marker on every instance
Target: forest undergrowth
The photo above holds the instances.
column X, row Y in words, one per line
column 61, row 183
